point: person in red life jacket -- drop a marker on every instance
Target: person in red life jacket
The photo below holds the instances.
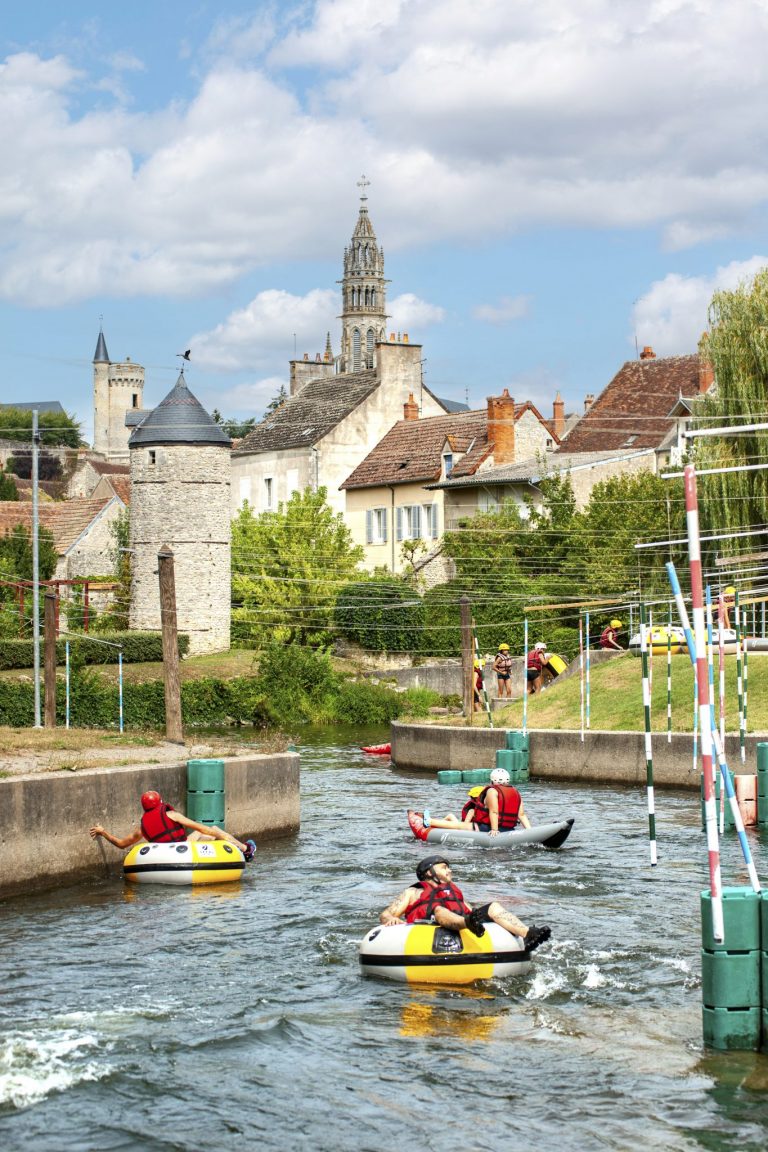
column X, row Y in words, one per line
column 502, row 666
column 498, row 807
column 161, row 823
column 479, row 685
column 537, row 658
column 609, row 637
column 436, row 899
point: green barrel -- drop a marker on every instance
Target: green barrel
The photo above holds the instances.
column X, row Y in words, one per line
column 741, row 920
column 205, row 775
column 762, row 757
column 518, row 741
column 206, row 807
column 476, row 776
column 732, row 1029
column 519, row 771
column 449, row 776
column 762, row 785
column 731, row 980
column 505, row 758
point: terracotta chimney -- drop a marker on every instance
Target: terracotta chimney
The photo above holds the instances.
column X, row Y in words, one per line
column 706, row 374
column 647, row 353
column 589, row 400
column 410, row 408
column 558, row 416
column 501, row 427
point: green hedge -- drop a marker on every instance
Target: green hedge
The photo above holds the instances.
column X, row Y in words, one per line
column 138, row 648
column 381, row 615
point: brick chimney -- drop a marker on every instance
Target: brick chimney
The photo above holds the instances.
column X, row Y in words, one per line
column 706, row 373
column 647, row 353
column 501, row 427
column 558, row 416
column 410, row 408
column 589, row 400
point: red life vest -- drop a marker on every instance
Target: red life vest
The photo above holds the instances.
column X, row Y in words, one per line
column 469, row 809
column 536, row 659
column 445, row 896
column 510, row 803
column 158, row 827
column 607, row 637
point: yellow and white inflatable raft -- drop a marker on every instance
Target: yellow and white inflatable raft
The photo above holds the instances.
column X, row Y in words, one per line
column 188, row 862
column 428, row 954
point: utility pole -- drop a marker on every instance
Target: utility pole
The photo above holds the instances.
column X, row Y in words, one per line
column 49, row 648
column 35, row 571
column 173, row 726
column 467, row 660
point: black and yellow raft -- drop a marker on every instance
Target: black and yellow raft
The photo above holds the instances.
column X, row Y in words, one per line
column 428, row 954
column 189, row 862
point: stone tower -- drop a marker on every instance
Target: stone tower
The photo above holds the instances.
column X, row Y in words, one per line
column 117, row 388
column 363, row 294
column 180, row 496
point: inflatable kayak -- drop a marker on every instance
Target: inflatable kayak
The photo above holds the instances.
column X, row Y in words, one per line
column 549, row 835
column 379, row 749
column 191, row 862
column 428, row 954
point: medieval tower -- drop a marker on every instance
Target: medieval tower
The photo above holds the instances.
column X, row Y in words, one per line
column 180, row 496
column 117, row 389
column 363, row 294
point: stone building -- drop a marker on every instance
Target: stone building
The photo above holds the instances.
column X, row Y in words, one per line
column 117, row 389
column 180, row 497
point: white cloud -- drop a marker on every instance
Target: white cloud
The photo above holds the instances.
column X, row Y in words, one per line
column 244, row 400
column 266, row 328
column 410, row 314
column 509, row 308
column 673, row 313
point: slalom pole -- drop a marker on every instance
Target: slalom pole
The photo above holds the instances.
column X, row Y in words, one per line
column 647, row 723
column 669, row 677
column 525, row 675
column 705, row 719
column 711, row 682
column 486, row 701
column 727, row 779
column 739, row 681
column 586, row 670
column 650, row 650
column 721, row 662
column 581, row 674
column 66, row 683
column 695, row 721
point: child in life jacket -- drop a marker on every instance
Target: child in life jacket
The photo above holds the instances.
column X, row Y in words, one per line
column 436, row 899
column 161, row 823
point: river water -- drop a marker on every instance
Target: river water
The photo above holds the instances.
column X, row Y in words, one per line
column 159, row 1018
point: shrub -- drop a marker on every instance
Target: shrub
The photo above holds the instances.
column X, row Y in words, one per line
column 383, row 615
column 138, row 648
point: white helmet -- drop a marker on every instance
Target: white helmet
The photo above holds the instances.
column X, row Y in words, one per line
column 541, row 647
column 499, row 776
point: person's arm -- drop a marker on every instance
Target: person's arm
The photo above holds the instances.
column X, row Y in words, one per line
column 393, row 913
column 521, row 816
column 492, row 804
column 118, row 841
column 205, row 829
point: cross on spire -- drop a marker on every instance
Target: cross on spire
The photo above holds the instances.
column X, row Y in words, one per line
column 363, row 183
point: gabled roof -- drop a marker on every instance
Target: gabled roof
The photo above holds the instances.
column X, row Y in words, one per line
column 635, row 409
column 178, row 419
column 412, row 451
column 67, row 520
column 532, row 469
column 309, row 415
column 41, row 405
column 109, row 484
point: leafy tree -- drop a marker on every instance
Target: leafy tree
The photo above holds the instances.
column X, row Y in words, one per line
column 279, row 398
column 16, row 553
column 56, row 428
column 48, row 466
column 286, row 569
column 8, row 489
column 383, row 615
column 234, row 428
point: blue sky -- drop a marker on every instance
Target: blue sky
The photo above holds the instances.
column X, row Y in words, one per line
column 552, row 183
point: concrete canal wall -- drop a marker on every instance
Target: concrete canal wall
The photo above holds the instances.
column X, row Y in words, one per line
column 602, row 757
column 45, row 817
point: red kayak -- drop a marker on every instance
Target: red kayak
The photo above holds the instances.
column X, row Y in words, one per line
column 379, row 749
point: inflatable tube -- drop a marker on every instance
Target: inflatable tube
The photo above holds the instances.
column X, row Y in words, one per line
column 428, row 954
column 548, row 835
column 556, row 664
column 379, row 749
column 190, row 862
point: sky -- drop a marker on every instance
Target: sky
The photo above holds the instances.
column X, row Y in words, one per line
column 555, row 185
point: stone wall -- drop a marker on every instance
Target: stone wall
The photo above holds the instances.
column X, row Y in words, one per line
column 183, row 500
column 44, row 818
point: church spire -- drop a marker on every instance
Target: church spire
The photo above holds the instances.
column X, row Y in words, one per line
column 364, row 315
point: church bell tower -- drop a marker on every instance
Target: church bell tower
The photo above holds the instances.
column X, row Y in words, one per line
column 363, row 292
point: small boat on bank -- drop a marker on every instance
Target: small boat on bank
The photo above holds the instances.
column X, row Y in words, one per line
column 548, row 835
column 378, row 749
column 428, row 954
column 189, row 862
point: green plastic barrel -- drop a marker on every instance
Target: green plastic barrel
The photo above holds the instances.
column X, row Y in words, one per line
column 505, row 758
column 476, row 776
column 206, row 807
column 730, row 979
column 741, row 921
column 449, row 776
column 518, row 741
column 732, row 1029
column 205, row 775
column 764, row 924
column 762, row 757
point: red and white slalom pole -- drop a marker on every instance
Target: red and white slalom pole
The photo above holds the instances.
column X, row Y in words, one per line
column 705, row 712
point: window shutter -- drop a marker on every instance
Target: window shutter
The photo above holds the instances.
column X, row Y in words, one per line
column 416, row 522
column 369, row 527
column 383, row 525
column 399, row 523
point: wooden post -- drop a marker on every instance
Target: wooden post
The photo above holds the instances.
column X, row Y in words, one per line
column 467, row 659
column 173, row 725
column 49, row 659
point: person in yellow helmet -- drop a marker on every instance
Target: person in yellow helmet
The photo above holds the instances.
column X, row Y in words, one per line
column 502, row 666
column 477, row 697
column 609, row 637
column 729, row 599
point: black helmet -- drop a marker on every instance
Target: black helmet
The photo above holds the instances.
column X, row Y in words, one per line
column 425, row 866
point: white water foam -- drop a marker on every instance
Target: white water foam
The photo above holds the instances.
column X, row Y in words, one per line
column 34, row 1065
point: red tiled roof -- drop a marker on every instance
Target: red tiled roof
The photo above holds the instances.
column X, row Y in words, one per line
column 412, row 451
column 67, row 519
column 122, row 487
column 104, row 468
column 634, row 410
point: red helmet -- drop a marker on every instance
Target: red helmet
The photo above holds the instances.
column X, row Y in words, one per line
column 151, row 800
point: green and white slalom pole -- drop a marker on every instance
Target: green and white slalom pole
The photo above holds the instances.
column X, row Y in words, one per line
column 669, row 677
column 727, row 779
column 581, row 674
column 644, row 633
column 739, row 680
column 525, row 675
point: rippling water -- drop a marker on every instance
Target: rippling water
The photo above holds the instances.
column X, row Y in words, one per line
column 157, row 1018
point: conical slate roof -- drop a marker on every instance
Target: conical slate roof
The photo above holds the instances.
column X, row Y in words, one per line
column 101, row 356
column 179, row 419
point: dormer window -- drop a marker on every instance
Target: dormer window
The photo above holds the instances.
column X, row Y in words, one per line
column 447, row 463
column 629, row 440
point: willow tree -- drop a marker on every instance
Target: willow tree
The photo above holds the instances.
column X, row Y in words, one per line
column 737, row 348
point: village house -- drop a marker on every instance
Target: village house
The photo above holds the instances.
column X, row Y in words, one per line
column 81, row 531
